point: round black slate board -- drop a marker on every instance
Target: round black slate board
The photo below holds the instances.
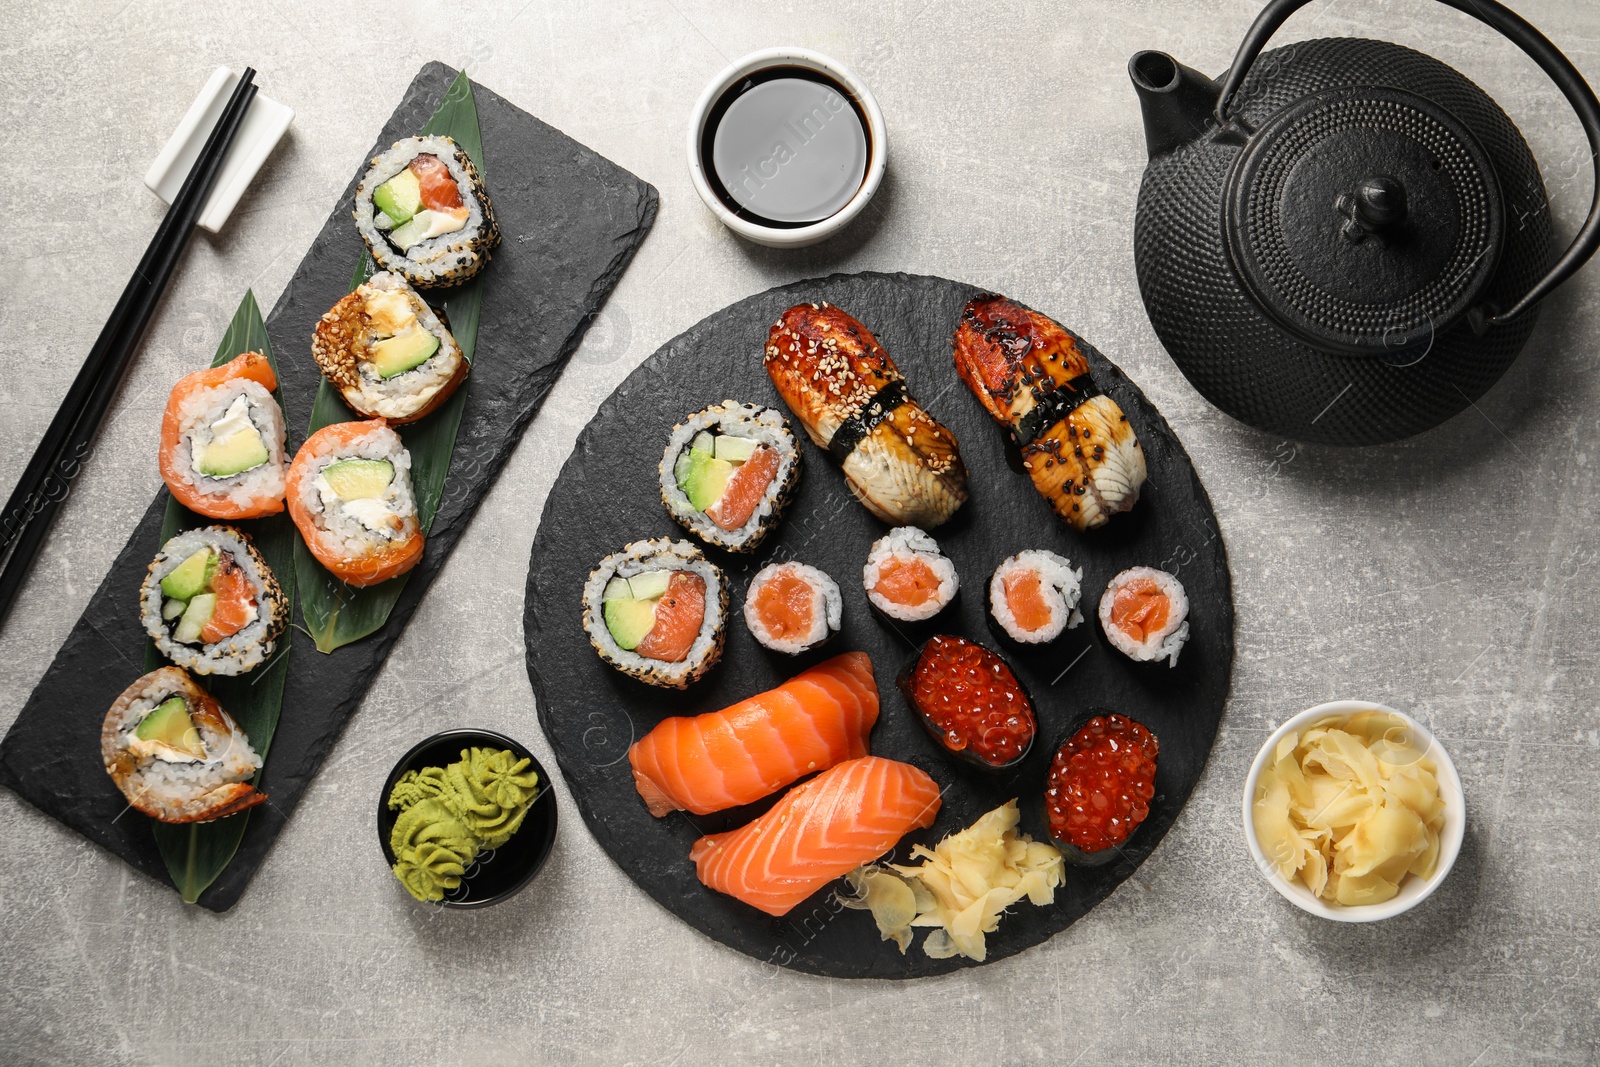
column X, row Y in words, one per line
column 607, row 496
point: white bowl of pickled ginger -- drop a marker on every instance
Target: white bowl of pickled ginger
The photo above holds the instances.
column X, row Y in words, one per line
column 1353, row 811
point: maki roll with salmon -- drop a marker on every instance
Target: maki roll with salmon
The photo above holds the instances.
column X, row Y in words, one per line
column 792, row 608
column 655, row 611
column 350, row 495
column 852, row 400
column 175, row 754
column 1032, row 376
column 211, row 604
column 728, row 472
column 387, row 353
column 424, row 213
column 907, row 577
column 1145, row 615
column 1033, row 596
column 222, row 452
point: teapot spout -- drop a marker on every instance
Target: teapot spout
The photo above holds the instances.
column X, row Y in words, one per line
column 1177, row 101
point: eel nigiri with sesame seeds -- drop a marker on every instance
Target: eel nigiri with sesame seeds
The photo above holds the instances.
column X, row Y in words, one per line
column 852, row 401
column 1029, row 373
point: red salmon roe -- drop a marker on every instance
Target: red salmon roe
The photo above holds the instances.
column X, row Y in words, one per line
column 972, row 700
column 1101, row 783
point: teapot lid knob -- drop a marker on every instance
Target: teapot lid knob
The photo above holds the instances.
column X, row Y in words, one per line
column 1364, row 219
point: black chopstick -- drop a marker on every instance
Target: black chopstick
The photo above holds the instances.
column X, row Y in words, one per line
column 44, row 484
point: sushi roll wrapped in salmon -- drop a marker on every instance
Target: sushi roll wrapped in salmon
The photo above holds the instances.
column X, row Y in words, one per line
column 175, row 754
column 222, row 452
column 792, row 608
column 1032, row 377
column 852, row 400
column 728, row 472
column 350, row 494
column 211, row 604
column 656, row 611
column 387, row 353
column 907, row 577
column 424, row 213
column 1033, row 596
column 1144, row 613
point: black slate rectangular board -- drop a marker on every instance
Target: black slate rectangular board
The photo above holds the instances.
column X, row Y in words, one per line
column 571, row 221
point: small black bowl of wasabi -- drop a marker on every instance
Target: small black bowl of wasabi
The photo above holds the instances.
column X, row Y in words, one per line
column 476, row 821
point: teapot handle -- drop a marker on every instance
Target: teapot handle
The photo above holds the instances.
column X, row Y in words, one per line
column 1538, row 48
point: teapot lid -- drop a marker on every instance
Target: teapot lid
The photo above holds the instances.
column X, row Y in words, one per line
column 1364, row 219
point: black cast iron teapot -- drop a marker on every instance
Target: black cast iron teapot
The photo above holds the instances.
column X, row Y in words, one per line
column 1343, row 240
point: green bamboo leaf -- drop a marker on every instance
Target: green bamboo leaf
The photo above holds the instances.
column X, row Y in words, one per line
column 196, row 854
column 335, row 614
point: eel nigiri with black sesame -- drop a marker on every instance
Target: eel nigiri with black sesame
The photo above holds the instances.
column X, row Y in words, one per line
column 1029, row 373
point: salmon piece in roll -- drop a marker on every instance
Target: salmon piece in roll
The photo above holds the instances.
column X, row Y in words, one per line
column 350, row 494
column 222, row 452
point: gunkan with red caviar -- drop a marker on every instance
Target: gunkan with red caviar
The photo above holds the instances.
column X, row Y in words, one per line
column 1100, row 786
column 969, row 701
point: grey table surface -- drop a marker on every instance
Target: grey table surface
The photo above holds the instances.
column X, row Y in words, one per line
column 1453, row 575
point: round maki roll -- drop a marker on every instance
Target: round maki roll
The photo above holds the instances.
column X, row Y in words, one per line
column 792, row 608
column 424, row 213
column 350, row 495
column 728, row 472
column 655, row 611
column 222, row 453
column 211, row 604
column 387, row 353
column 907, row 577
column 175, row 754
column 1145, row 615
column 1033, row 596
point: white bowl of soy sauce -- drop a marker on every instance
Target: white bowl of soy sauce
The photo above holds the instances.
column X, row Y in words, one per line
column 786, row 146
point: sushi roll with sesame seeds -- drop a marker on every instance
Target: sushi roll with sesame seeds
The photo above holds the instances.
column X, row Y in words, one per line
column 655, row 611
column 1033, row 596
column 728, row 472
column 424, row 214
column 907, row 577
column 211, row 604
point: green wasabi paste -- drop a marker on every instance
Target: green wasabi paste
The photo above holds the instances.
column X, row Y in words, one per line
column 448, row 814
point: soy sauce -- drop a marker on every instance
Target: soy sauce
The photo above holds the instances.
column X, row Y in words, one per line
column 786, row 147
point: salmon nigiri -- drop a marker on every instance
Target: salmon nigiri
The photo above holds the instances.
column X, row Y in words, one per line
column 849, row 815
column 222, row 440
column 744, row 752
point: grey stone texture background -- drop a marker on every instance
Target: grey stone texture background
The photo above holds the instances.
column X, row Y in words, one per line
column 1453, row 575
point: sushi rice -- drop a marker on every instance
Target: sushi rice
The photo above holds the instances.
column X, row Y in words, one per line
column 171, row 785
column 1163, row 643
column 641, row 557
column 449, row 258
column 750, row 422
column 827, row 608
column 905, row 544
column 243, row 650
column 1060, row 585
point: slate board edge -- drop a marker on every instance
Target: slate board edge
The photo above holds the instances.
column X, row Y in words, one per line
column 596, row 821
column 230, row 885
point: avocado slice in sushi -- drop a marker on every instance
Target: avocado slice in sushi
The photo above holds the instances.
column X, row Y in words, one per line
column 195, row 617
column 191, row 576
column 629, row 620
column 235, row 446
column 424, row 225
column 735, row 449
column 169, row 726
column 400, row 197
column 704, row 479
column 402, row 352
column 359, row 479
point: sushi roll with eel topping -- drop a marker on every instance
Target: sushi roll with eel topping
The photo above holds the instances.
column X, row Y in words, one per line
column 222, row 453
column 1145, row 615
column 1029, row 373
column 424, row 213
column 350, row 495
column 852, row 400
column 907, row 577
column 728, row 472
column 211, row 604
column 655, row 611
column 792, row 608
column 387, row 353
column 1033, row 596
column 175, row 754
